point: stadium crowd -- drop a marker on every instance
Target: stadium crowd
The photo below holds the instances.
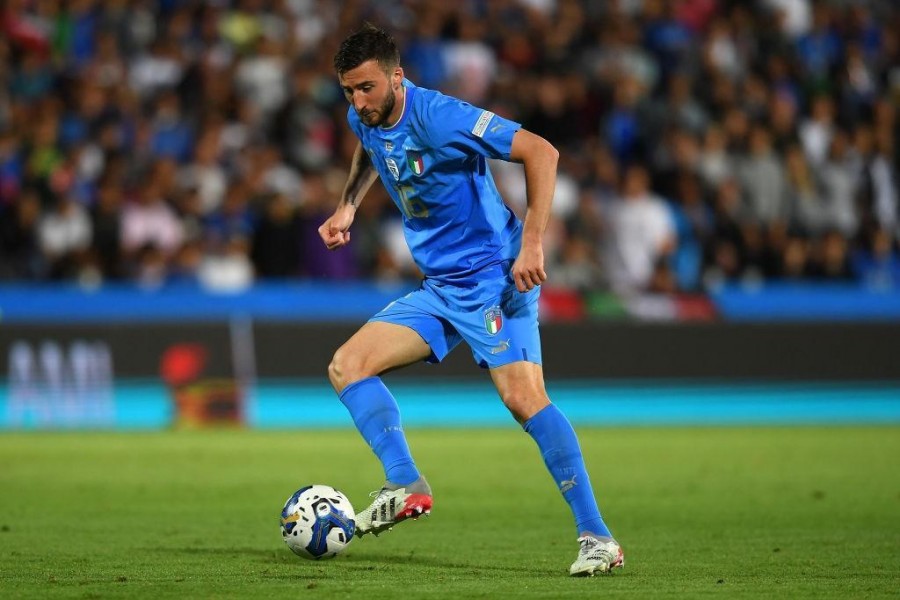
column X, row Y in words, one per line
column 701, row 141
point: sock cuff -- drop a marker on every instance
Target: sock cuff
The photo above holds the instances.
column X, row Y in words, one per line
column 356, row 384
column 538, row 416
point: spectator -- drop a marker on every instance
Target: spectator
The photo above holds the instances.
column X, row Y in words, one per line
column 693, row 223
column 820, row 48
column 235, row 219
column 318, row 203
column 768, row 128
column 794, row 17
column 622, row 127
column 12, row 170
column 64, row 234
column 726, row 252
column 881, row 187
column 715, row 163
column 617, row 52
column 303, row 129
column 809, row 213
column 162, row 68
column 817, row 130
column 261, row 78
column 276, row 241
column 425, row 54
column 105, row 218
column 577, row 268
column 205, row 174
column 721, row 52
column 640, row 237
column 20, row 256
column 171, row 135
column 831, row 259
column 878, row 265
column 227, row 269
column 471, row 63
column 762, row 178
column 151, row 231
column 33, row 79
column 840, row 175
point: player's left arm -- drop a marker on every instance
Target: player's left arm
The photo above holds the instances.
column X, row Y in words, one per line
column 539, row 158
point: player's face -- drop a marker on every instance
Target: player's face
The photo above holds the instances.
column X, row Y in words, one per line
column 373, row 93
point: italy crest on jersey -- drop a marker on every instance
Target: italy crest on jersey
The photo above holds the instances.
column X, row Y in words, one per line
column 415, row 161
column 493, row 320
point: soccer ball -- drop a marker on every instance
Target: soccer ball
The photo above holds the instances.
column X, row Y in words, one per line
column 317, row 521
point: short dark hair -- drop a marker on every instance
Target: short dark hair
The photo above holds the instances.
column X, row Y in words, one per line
column 368, row 43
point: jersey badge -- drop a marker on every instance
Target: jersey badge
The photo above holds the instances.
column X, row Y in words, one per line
column 493, row 320
column 482, row 123
column 389, row 146
column 392, row 167
column 415, row 161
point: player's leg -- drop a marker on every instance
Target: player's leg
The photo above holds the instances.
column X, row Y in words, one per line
column 378, row 347
column 504, row 336
column 401, row 334
column 354, row 372
column 521, row 386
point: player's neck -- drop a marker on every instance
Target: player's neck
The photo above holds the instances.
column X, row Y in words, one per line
column 399, row 109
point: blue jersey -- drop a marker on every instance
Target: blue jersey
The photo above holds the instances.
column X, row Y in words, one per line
column 433, row 162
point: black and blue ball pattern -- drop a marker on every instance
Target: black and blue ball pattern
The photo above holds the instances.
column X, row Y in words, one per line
column 317, row 522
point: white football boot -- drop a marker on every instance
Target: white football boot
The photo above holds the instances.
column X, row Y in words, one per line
column 597, row 555
column 394, row 504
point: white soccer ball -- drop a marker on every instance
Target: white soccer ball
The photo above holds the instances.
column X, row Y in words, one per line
column 317, row 521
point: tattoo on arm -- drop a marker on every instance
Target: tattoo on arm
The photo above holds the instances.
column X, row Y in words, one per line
column 362, row 175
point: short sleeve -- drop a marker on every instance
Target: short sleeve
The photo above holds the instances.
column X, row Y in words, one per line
column 450, row 122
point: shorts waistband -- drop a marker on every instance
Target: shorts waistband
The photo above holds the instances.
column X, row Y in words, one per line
column 494, row 270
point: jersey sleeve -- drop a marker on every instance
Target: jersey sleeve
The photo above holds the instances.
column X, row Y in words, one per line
column 450, row 122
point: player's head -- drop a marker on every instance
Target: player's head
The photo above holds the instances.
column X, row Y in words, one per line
column 368, row 67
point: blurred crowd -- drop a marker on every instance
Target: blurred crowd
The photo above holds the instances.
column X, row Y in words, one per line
column 702, row 141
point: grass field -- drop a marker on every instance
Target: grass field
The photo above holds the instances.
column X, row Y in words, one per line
column 726, row 512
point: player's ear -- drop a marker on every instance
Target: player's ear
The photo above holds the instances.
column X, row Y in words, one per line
column 397, row 78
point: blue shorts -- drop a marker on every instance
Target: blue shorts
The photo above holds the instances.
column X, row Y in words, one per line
column 499, row 323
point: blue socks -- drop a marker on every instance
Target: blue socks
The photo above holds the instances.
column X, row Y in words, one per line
column 562, row 455
column 377, row 417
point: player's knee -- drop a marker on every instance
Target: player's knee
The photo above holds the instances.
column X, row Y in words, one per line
column 337, row 371
column 345, row 368
column 523, row 402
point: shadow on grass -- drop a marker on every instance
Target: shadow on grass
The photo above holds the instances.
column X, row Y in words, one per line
column 358, row 563
column 399, row 561
column 219, row 551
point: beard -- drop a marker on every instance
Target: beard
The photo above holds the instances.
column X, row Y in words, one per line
column 374, row 118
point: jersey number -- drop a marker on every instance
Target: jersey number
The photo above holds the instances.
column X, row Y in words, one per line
column 413, row 208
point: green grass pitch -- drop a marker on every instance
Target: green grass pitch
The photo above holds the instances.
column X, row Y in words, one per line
column 725, row 512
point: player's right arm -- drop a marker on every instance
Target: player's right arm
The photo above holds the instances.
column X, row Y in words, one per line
column 335, row 231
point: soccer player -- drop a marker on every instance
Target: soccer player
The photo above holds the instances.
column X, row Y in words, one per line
column 483, row 269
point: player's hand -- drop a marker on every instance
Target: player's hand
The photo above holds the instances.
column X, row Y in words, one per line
column 335, row 231
column 528, row 270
